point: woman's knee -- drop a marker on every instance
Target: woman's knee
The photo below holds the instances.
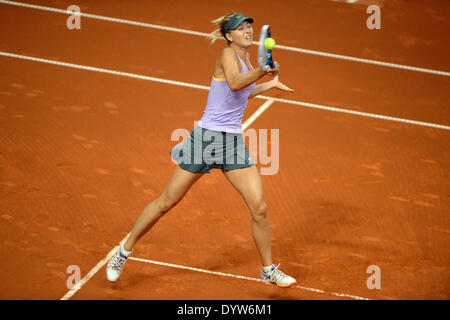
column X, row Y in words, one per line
column 166, row 202
column 259, row 212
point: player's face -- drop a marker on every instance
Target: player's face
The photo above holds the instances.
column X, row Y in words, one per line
column 243, row 34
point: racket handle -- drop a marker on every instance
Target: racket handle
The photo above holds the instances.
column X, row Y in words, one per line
column 270, row 60
column 271, row 64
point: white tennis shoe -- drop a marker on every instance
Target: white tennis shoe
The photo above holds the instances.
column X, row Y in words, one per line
column 277, row 277
column 115, row 266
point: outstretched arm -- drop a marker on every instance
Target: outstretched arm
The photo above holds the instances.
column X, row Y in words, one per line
column 263, row 87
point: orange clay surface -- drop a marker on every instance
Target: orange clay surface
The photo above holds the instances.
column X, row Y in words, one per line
column 82, row 153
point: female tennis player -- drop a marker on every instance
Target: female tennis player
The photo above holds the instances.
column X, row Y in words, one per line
column 232, row 85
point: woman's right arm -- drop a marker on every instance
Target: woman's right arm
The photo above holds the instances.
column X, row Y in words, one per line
column 235, row 79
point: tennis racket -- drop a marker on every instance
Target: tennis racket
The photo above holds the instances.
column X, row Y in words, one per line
column 264, row 54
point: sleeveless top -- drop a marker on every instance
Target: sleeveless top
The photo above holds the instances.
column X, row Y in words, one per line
column 225, row 108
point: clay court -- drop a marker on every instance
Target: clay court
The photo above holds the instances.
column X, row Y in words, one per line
column 86, row 118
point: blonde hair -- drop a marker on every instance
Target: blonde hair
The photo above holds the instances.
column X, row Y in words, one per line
column 220, row 24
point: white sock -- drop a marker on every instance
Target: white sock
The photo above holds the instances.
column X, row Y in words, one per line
column 267, row 268
column 125, row 252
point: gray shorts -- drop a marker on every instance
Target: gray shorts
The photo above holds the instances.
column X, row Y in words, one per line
column 205, row 149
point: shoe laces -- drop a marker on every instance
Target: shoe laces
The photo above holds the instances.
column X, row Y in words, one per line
column 276, row 275
column 117, row 262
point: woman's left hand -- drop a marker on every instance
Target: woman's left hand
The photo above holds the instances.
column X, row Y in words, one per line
column 279, row 85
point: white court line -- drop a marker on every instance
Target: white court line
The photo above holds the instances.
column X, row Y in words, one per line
column 257, row 113
column 92, row 272
column 203, row 34
column 230, row 275
column 105, row 260
column 196, row 86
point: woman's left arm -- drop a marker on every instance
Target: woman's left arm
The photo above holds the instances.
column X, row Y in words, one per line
column 263, row 87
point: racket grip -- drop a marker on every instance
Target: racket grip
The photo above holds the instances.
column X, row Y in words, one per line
column 271, row 64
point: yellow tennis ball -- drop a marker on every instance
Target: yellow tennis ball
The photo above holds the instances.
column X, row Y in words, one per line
column 269, row 43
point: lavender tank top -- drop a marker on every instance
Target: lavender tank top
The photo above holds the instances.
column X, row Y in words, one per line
column 225, row 108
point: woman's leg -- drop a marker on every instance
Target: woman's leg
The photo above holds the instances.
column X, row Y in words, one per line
column 248, row 183
column 178, row 186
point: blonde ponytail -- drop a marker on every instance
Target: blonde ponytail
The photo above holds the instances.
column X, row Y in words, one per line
column 220, row 24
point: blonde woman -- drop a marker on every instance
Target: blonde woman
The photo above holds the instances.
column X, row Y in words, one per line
column 232, row 85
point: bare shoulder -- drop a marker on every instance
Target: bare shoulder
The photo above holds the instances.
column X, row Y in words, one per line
column 227, row 50
column 226, row 53
column 228, row 57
